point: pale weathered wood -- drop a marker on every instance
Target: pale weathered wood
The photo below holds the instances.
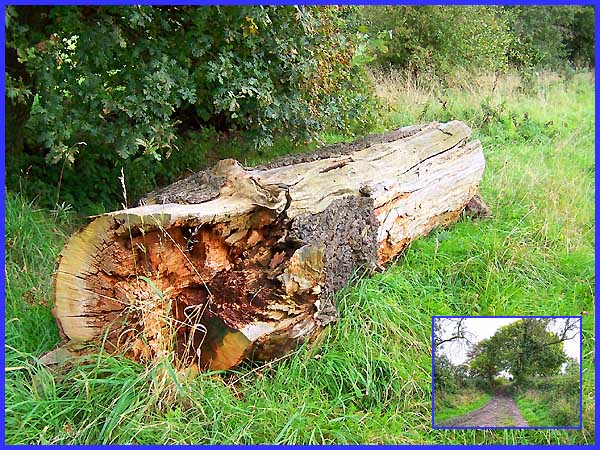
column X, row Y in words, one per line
column 249, row 268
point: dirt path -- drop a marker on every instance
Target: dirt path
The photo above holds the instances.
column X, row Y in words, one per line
column 501, row 411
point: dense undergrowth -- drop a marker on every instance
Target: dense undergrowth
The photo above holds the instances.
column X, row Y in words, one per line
column 550, row 401
column 369, row 379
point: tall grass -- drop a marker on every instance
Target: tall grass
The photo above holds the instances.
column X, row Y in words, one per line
column 369, row 379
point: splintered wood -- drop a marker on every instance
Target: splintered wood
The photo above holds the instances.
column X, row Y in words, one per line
column 235, row 263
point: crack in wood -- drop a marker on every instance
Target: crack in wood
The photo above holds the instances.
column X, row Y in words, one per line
column 336, row 165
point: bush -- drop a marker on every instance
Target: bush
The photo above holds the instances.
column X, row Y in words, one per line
column 565, row 412
column 442, row 40
column 102, row 88
column 479, row 383
column 580, row 44
column 560, row 385
column 444, row 375
column 551, row 36
column 554, row 398
column 125, row 78
column 91, row 183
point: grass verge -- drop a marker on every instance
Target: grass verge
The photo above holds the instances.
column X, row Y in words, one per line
column 534, row 412
column 458, row 404
column 548, row 410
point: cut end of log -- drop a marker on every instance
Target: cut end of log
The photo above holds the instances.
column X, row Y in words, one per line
column 205, row 291
column 250, row 270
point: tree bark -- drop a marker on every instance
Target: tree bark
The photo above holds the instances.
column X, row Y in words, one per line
column 234, row 263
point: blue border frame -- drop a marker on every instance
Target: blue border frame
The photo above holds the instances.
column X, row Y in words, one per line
column 288, row 2
column 438, row 427
column 596, row 212
column 2, row 227
column 304, row 2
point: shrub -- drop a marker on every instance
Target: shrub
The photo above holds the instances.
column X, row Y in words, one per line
column 126, row 78
column 551, row 36
column 561, row 385
column 91, row 183
column 444, row 375
column 479, row 383
column 564, row 412
column 555, row 396
column 580, row 43
column 442, row 39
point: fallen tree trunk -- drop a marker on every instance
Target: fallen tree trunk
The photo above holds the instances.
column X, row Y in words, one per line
column 236, row 263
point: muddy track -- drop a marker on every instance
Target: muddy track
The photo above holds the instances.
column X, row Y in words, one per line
column 500, row 411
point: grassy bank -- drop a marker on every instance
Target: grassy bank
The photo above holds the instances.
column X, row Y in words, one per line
column 370, row 379
column 458, row 404
column 550, row 401
column 536, row 412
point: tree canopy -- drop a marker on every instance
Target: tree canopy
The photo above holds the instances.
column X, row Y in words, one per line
column 482, row 360
column 524, row 348
column 442, row 40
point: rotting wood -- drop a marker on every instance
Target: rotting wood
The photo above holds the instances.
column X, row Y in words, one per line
column 234, row 263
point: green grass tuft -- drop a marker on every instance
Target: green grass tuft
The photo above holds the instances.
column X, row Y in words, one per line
column 535, row 413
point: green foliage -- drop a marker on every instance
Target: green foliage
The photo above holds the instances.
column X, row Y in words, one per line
column 91, row 184
column 551, row 36
column 442, row 39
column 124, row 78
column 525, row 348
column 451, row 405
column 483, row 362
column 34, row 239
column 580, row 42
column 444, row 374
column 450, row 378
column 572, row 367
column 550, row 401
column 559, row 385
column 109, row 87
column 534, row 257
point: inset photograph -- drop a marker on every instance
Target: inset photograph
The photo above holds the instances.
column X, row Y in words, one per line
column 506, row 372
